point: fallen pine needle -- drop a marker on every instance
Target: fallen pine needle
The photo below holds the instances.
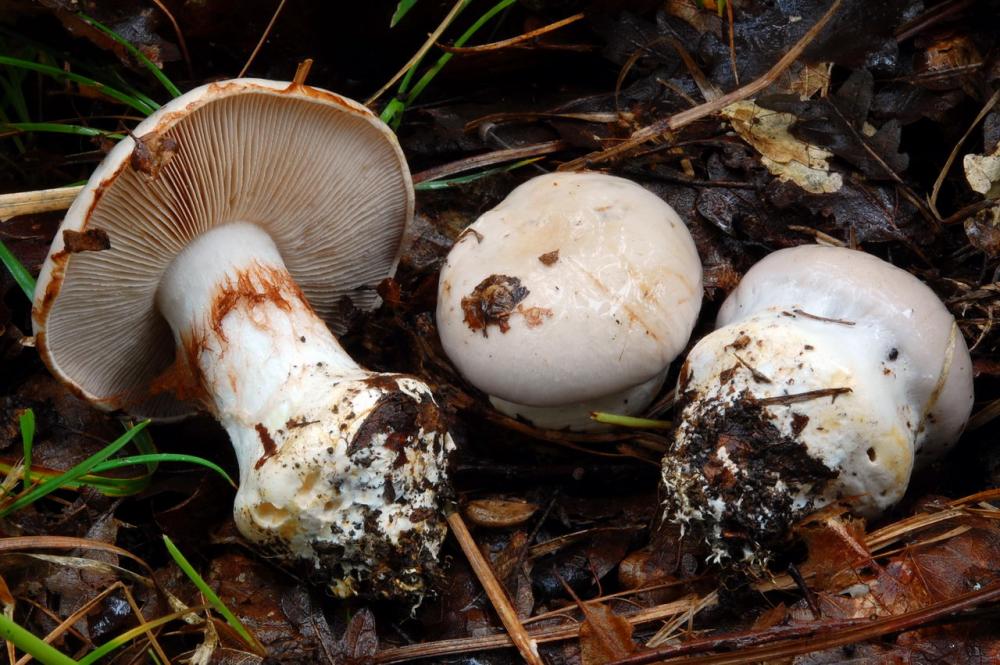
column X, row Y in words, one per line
column 524, row 643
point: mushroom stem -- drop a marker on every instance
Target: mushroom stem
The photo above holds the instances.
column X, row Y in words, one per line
column 339, row 467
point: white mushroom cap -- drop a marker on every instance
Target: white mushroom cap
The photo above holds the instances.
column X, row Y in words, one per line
column 902, row 316
column 576, row 287
column 832, row 376
column 319, row 172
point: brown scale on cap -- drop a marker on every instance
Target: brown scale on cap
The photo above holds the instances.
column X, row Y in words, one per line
column 492, row 302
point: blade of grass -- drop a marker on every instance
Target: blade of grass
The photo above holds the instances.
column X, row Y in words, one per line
column 135, row 53
column 17, row 271
column 84, row 467
column 119, row 81
column 407, row 70
column 55, row 72
column 163, row 457
column 213, row 599
column 120, row 640
column 629, row 421
column 59, row 128
column 31, row 644
column 392, row 115
column 27, row 423
column 445, row 183
column 466, row 36
column 104, row 485
column 402, row 8
column 112, row 486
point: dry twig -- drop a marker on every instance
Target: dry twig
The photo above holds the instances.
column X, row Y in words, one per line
column 524, row 643
column 689, row 116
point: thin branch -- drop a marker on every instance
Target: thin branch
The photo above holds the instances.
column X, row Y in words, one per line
column 31, row 203
column 421, row 52
column 527, row 647
column 180, row 37
column 263, row 38
column 990, row 103
column 807, row 396
column 488, row 159
column 684, row 118
column 513, row 41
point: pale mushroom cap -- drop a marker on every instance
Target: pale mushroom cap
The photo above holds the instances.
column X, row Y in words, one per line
column 917, row 336
column 319, row 172
column 611, row 310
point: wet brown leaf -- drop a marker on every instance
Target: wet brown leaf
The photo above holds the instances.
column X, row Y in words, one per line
column 604, row 636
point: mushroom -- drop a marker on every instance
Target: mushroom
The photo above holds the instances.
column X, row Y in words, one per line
column 831, row 377
column 195, row 271
column 573, row 295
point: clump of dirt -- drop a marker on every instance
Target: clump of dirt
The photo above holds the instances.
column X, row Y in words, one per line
column 738, row 480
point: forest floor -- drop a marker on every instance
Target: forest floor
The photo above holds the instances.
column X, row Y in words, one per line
column 765, row 124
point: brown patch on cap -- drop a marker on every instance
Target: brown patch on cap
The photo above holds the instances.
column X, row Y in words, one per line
column 492, row 302
column 91, row 240
column 534, row 316
column 548, row 258
column 270, row 449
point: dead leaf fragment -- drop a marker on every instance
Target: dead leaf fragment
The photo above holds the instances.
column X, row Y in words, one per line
column 152, row 152
column 784, row 155
column 492, row 302
column 604, row 636
column 91, row 240
column 983, row 173
column 499, row 513
column 548, row 258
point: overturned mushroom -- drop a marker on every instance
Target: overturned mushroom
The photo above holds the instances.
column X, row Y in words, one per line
column 571, row 296
column 833, row 374
column 237, row 220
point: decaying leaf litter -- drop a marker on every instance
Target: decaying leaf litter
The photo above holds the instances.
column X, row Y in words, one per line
column 882, row 133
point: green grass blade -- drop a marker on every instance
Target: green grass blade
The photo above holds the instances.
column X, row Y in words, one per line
column 15, row 96
column 211, row 596
column 72, row 475
column 397, row 115
column 445, row 183
column 43, row 652
column 135, row 53
column 466, row 36
column 55, row 72
column 629, row 421
column 119, row 641
column 59, row 128
column 402, row 8
column 17, row 271
column 162, row 457
column 104, row 485
column 27, row 423
column 18, row 143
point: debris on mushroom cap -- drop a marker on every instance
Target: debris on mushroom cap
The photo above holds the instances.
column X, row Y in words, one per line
column 833, row 375
column 181, row 279
column 574, row 294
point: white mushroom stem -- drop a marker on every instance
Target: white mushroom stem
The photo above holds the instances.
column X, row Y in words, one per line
column 338, row 466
